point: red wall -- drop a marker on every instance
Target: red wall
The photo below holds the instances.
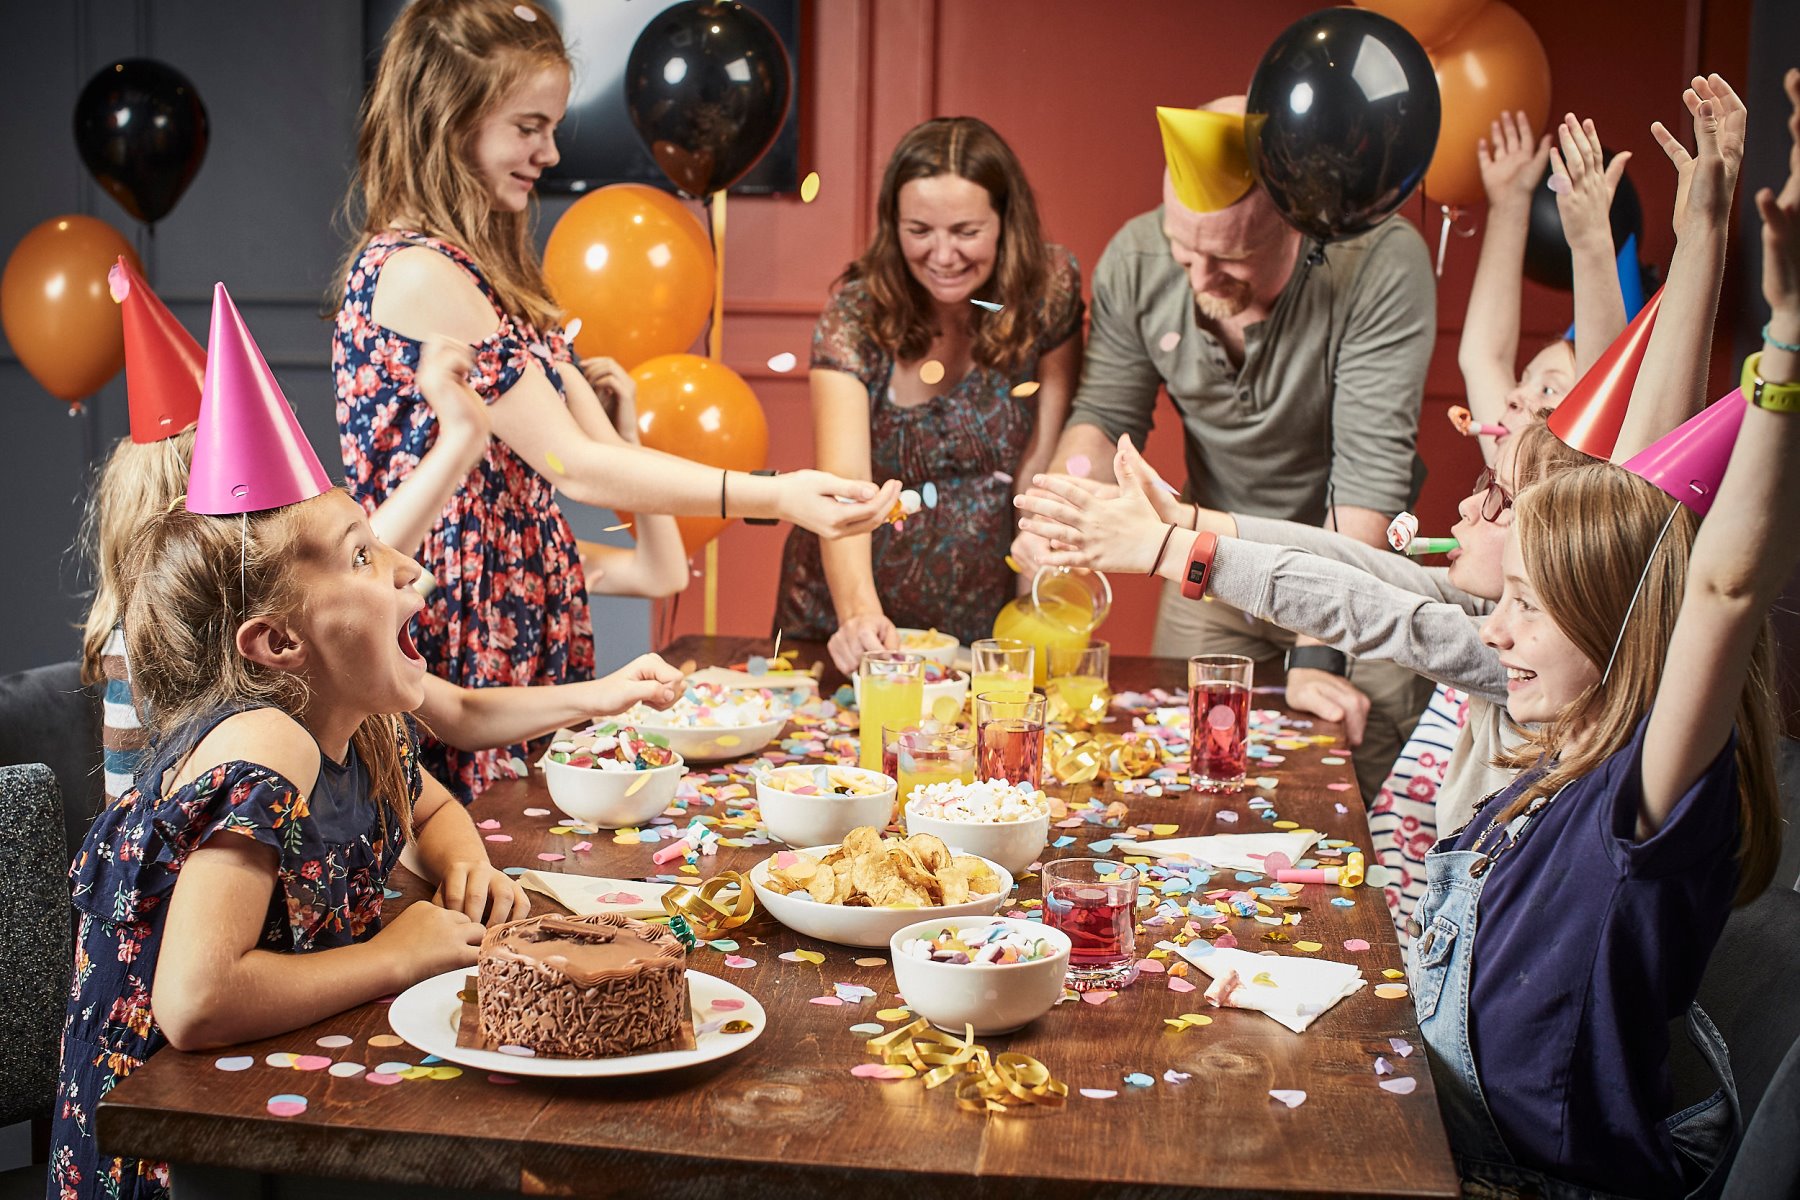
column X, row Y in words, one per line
column 1072, row 85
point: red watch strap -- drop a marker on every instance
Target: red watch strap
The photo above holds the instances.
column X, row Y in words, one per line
column 1199, row 566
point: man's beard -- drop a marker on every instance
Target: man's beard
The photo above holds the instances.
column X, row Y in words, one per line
column 1223, row 308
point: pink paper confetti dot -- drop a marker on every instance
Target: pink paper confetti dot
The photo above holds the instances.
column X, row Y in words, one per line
column 548, row 856
column 311, row 1062
column 283, row 1106
column 490, row 823
column 499, row 837
column 1168, row 342
column 1178, row 984
column 827, row 1001
column 1080, row 466
column 581, row 847
column 727, row 1005
column 1151, row 966
column 1337, row 787
column 1402, row 1085
column 382, row 1078
column 1355, row 944
column 1098, row 996
column 739, row 961
column 876, row 1071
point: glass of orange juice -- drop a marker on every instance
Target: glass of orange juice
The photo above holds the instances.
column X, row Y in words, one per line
column 1000, row 665
column 892, row 693
column 1077, row 689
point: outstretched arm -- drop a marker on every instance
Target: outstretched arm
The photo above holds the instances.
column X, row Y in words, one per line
column 1585, row 205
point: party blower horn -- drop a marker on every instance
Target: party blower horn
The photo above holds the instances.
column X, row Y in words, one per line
column 1208, row 165
column 1591, row 415
column 250, row 454
column 164, row 366
column 1689, row 461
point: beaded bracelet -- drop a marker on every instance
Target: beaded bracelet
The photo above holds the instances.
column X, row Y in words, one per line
column 1790, row 347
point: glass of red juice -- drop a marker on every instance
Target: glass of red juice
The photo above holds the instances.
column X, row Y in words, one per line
column 1219, row 720
column 1010, row 731
column 1094, row 901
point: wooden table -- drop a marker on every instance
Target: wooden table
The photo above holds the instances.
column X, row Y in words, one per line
column 784, row 1117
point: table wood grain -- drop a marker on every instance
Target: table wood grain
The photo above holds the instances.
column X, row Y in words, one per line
column 785, row 1117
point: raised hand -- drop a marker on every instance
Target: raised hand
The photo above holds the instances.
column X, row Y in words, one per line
column 1585, row 194
column 1780, row 213
column 1706, row 179
column 1510, row 164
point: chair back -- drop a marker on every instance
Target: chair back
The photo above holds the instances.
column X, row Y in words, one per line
column 34, row 939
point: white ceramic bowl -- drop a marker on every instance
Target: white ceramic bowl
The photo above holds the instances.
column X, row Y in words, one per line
column 862, row 926
column 813, row 820
column 1015, row 845
column 716, row 744
column 994, row 999
column 956, row 687
column 942, row 651
column 612, row 799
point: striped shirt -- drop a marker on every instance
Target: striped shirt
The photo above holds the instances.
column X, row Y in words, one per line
column 122, row 734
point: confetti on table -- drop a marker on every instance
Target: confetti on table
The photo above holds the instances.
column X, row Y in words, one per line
column 499, row 837
column 344, row 1070
column 311, row 1062
column 783, row 362
column 387, row 1039
column 1383, row 1066
column 1342, row 902
column 334, row 1041
column 282, row 1059
column 518, row 1051
column 799, row 956
column 1332, row 760
column 1187, row 1021
column 1401, row 1085
column 392, row 1068
column 237, row 1062
column 1393, row 973
column 1291, row 1097
column 1390, row 991
column 1098, row 1093
column 382, row 1078
column 864, row 962
column 868, row 1028
column 1139, row 1079
column 1355, row 944
column 286, row 1105
column 1026, row 389
column 1178, row 984
column 1337, row 787
column 1308, row 947
column 550, row 856
column 827, row 1001
column 894, row 1014
column 537, row 812
column 739, row 962
column 931, row 372
column 809, row 187
column 1169, row 341
column 1150, row 966
column 1098, row 996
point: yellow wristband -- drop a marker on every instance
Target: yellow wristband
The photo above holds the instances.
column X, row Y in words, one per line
column 1775, row 397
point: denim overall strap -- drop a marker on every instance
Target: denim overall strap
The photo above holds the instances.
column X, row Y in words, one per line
column 1708, row 1133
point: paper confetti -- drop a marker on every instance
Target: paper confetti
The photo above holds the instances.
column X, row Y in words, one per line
column 1139, row 1079
column 1174, row 1076
column 554, row 463
column 1291, row 1098
column 1168, row 341
column 1390, row 991
column 1402, row 1085
column 334, row 1041
column 739, row 962
column 237, row 1062
column 1098, row 1093
column 286, row 1105
column 1401, row 1046
column 344, row 1070
column 1027, row 389
column 931, row 372
column 387, row 1039
column 783, row 363
column 809, row 187
column 1355, row 944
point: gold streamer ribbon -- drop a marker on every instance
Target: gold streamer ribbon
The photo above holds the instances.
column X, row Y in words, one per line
column 1077, row 757
column 984, row 1082
column 706, row 915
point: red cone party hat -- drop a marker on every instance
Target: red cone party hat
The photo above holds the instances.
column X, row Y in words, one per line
column 250, row 454
column 164, row 365
column 1591, row 415
column 1689, row 461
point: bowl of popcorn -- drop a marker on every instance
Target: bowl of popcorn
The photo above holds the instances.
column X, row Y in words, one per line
column 931, row 645
column 710, row 723
column 612, row 775
column 815, row 804
column 945, row 692
column 1007, row 822
column 994, row 973
column 861, row 891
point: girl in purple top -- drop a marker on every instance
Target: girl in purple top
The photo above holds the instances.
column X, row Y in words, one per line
column 1571, row 920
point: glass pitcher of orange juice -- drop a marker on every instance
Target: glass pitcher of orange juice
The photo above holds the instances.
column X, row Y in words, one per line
column 1063, row 609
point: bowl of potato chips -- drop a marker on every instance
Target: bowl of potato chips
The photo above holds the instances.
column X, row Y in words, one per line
column 940, row 648
column 862, row 891
column 808, row 805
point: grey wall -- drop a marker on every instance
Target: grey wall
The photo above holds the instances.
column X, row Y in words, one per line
column 281, row 83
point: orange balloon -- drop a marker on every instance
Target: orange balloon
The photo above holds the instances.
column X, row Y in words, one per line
column 1493, row 64
column 636, row 268
column 1431, row 21
column 56, row 307
column 702, row 410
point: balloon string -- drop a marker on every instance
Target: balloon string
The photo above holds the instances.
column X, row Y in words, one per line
column 715, row 344
column 1444, row 238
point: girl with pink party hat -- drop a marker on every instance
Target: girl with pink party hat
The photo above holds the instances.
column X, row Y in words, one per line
column 237, row 891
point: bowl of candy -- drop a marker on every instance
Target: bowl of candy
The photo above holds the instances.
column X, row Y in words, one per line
column 858, row 893
column 945, row 692
column 994, row 973
column 931, row 645
column 1006, row 822
column 612, row 775
column 815, row 804
column 710, row 723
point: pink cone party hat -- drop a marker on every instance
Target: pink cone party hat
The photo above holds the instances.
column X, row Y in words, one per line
column 1689, row 461
column 250, row 454
column 164, row 365
column 1591, row 415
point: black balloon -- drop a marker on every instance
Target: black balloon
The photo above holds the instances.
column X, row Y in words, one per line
column 141, row 130
column 707, row 88
column 1547, row 258
column 1342, row 118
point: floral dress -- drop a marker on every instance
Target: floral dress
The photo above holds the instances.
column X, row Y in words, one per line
column 511, row 606
column 335, row 850
column 946, row 567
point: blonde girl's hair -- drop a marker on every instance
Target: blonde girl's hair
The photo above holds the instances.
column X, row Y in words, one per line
column 135, row 481
column 193, row 581
column 447, row 64
column 1538, row 454
column 1585, row 536
column 904, row 324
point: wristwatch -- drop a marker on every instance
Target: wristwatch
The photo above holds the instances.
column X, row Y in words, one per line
column 1318, row 658
column 763, row 520
column 1776, row 397
column 1199, row 566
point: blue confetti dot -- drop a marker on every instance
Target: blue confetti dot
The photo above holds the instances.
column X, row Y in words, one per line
column 758, row 665
column 391, row 894
column 1342, row 902
column 515, row 872
column 1139, row 1079
column 929, row 495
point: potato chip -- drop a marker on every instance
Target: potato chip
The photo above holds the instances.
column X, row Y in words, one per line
column 872, row 871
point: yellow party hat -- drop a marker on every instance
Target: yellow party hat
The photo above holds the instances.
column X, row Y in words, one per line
column 1208, row 164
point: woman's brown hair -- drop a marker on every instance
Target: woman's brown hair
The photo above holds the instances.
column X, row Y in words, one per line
column 445, row 65
column 136, row 481
column 904, row 322
column 192, row 581
column 1585, row 536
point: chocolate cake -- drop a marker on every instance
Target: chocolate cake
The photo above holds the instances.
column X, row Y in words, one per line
column 583, row 987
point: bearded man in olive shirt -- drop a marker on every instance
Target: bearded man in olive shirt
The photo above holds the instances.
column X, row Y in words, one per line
column 1298, row 372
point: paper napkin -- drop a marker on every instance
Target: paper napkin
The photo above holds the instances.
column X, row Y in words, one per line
column 1293, row 991
column 1233, row 851
column 587, row 895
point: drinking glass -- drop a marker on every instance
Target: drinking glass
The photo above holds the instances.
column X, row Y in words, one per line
column 1010, row 730
column 893, row 691
column 931, row 752
column 1094, row 901
column 1000, row 665
column 1077, row 687
column 1219, row 720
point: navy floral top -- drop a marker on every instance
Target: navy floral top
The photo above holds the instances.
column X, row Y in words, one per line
column 335, row 850
column 511, row 606
column 947, row 568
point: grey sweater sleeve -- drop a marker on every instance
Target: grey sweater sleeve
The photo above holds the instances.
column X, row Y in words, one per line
column 1353, row 611
column 1385, row 565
